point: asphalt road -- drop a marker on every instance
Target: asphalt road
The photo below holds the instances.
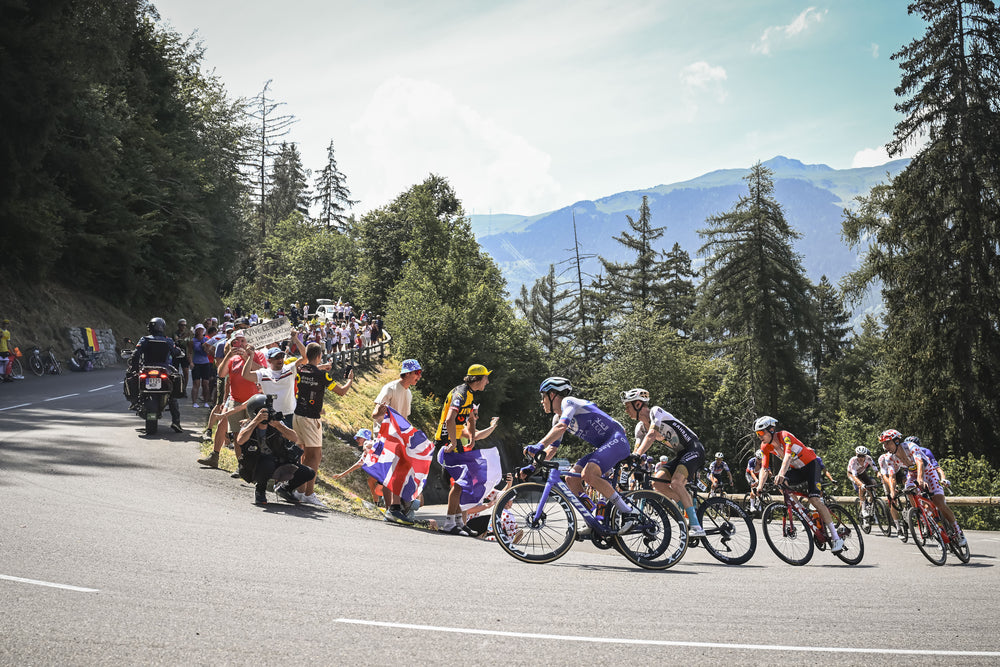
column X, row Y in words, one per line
column 157, row 560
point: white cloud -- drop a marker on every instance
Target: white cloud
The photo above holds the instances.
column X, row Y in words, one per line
column 874, row 157
column 413, row 128
column 776, row 35
column 874, row 50
column 700, row 81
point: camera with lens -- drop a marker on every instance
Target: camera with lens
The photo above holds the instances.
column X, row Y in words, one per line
column 272, row 414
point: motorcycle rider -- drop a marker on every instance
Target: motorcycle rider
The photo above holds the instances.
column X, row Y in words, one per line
column 151, row 351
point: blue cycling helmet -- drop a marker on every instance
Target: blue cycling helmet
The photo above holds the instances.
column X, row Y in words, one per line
column 914, row 439
column 557, row 384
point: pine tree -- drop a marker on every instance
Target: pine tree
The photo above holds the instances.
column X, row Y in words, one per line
column 270, row 128
column 549, row 311
column 828, row 343
column 638, row 285
column 289, row 185
column 932, row 234
column 679, row 290
column 755, row 297
column 332, row 193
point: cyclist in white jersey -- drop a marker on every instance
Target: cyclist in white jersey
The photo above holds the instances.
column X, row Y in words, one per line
column 656, row 424
column 857, row 470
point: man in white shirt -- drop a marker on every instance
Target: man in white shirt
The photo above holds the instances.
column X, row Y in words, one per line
column 278, row 379
column 397, row 395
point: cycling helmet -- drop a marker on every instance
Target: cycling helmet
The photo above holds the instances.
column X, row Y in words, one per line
column 861, row 450
column 758, row 454
column 663, row 459
column 557, row 384
column 914, row 439
column 156, row 326
column 635, row 395
column 764, row 423
column 719, row 455
column 890, row 434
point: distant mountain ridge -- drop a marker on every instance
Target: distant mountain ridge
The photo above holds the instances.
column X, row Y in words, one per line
column 812, row 196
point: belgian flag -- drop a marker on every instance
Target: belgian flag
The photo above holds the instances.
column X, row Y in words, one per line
column 90, row 339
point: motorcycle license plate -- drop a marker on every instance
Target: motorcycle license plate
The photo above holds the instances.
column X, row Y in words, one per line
column 152, row 383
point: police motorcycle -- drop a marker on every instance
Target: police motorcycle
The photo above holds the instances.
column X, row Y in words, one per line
column 151, row 381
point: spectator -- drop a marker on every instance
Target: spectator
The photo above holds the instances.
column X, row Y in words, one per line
column 267, row 308
column 313, row 381
column 202, row 370
column 277, row 378
column 397, row 395
column 365, row 441
column 474, row 518
column 241, row 390
column 265, row 448
column 5, row 351
column 456, row 413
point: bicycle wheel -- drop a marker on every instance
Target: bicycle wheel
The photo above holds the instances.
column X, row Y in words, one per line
column 535, row 542
column 927, row 536
column 16, row 371
column 882, row 518
column 789, row 537
column 729, row 533
column 746, row 503
column 53, row 364
column 35, row 364
column 662, row 540
column 866, row 521
column 963, row 552
column 847, row 529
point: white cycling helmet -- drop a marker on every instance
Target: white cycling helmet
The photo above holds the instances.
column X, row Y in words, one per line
column 861, row 450
column 759, row 454
column 557, row 384
column 719, row 455
column 663, row 459
column 635, row 395
column 764, row 423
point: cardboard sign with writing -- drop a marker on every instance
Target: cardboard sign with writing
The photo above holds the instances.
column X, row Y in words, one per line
column 273, row 331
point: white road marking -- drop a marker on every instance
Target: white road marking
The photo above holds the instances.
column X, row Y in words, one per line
column 107, row 386
column 56, row 398
column 660, row 642
column 14, row 406
column 49, row 584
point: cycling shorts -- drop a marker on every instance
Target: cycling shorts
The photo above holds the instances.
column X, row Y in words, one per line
column 750, row 480
column 808, row 475
column 865, row 479
column 691, row 457
column 932, row 479
column 606, row 456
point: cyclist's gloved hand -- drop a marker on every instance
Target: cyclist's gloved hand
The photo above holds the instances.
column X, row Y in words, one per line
column 534, row 450
column 525, row 472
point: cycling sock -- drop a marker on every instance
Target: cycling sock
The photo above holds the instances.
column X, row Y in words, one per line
column 692, row 516
column 621, row 504
column 833, row 531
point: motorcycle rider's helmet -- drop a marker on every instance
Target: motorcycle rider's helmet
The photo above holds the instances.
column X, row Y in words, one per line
column 157, row 326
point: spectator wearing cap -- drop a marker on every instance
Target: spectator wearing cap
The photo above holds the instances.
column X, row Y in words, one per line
column 241, row 390
column 277, row 377
column 365, row 440
column 457, row 416
column 397, row 395
column 313, row 380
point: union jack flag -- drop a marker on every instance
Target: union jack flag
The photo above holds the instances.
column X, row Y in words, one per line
column 401, row 457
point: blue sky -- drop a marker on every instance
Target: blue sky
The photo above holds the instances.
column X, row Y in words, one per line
column 529, row 106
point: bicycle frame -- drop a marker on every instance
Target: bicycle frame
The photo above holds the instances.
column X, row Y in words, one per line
column 555, row 479
column 931, row 514
column 795, row 506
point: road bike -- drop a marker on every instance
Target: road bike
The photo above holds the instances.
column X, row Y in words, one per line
column 874, row 510
column 546, row 524
column 763, row 499
column 931, row 533
column 16, row 371
column 43, row 363
column 794, row 533
column 730, row 536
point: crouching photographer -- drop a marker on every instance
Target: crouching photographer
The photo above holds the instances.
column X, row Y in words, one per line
column 267, row 449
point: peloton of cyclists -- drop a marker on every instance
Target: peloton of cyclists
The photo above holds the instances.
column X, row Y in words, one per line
column 657, row 425
column 602, row 432
column 857, row 471
column 798, row 464
column 715, row 470
column 910, row 455
column 753, row 477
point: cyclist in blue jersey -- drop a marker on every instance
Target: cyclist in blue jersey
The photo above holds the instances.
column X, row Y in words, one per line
column 589, row 423
column 655, row 424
